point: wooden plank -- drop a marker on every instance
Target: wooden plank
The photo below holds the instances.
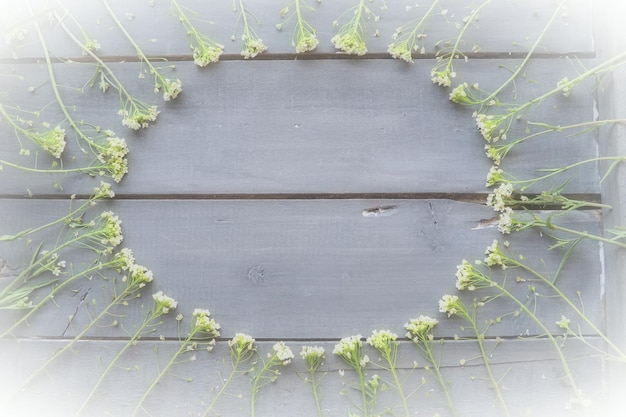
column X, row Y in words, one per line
column 611, row 104
column 268, row 266
column 277, row 127
column 528, row 370
column 503, row 27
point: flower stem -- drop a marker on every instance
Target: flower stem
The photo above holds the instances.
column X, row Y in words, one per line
column 239, row 358
column 568, row 373
column 480, row 340
column 571, row 305
column 117, row 300
column 316, row 396
column 162, row 373
column 527, row 57
column 140, row 53
column 52, row 294
column 428, row 349
column 154, row 314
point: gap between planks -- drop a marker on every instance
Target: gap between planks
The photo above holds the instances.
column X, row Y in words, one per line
column 303, row 57
column 475, row 198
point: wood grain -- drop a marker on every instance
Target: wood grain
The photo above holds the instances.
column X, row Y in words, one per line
column 504, row 27
column 530, row 380
column 307, row 127
column 269, row 266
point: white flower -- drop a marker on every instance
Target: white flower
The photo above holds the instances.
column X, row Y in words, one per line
column 420, row 328
column 382, row 339
column 283, row 353
column 498, row 198
column 505, row 223
column 252, row 47
column 312, row 353
column 241, row 342
column 164, row 303
column 563, row 323
column 171, row 89
column 448, row 304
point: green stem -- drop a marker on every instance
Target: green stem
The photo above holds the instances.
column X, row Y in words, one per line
column 118, row 84
column 55, row 86
column 394, row 373
column 552, row 226
column 361, row 375
column 239, row 358
column 140, row 53
column 605, row 66
column 89, row 170
column 162, row 373
column 568, row 374
column 571, row 305
column 428, row 349
column 54, row 291
column 117, row 300
column 494, row 382
column 314, row 383
column 470, row 18
column 148, row 321
column 554, row 172
column 30, row 271
column 527, row 57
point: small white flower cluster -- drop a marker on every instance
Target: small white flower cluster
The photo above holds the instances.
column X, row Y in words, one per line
column 382, row 340
column 111, row 230
column 498, row 199
column 171, row 88
column 449, row 304
column 420, row 329
column 203, row 55
column 505, row 222
column 494, row 255
column 312, row 354
column 489, row 126
column 163, row 303
column 494, row 176
column 113, row 156
column 563, row 323
column 241, row 343
column 348, row 346
column 205, row 323
column 124, row 260
column 400, row 51
column 351, row 42
column 565, row 85
column 103, row 191
column 138, row 115
column 252, row 47
column 442, row 77
column 307, row 42
column 53, row 141
column 139, row 276
column 464, row 275
column 91, row 45
column 283, row 353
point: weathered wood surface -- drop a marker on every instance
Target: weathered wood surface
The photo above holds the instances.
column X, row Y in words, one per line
column 252, row 196
column 356, row 134
column 513, row 26
column 530, row 380
column 267, row 267
column 612, row 142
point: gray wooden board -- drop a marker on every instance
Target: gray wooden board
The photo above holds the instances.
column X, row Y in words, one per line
column 268, row 267
column 529, row 373
column 612, row 104
column 160, row 34
column 264, row 127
